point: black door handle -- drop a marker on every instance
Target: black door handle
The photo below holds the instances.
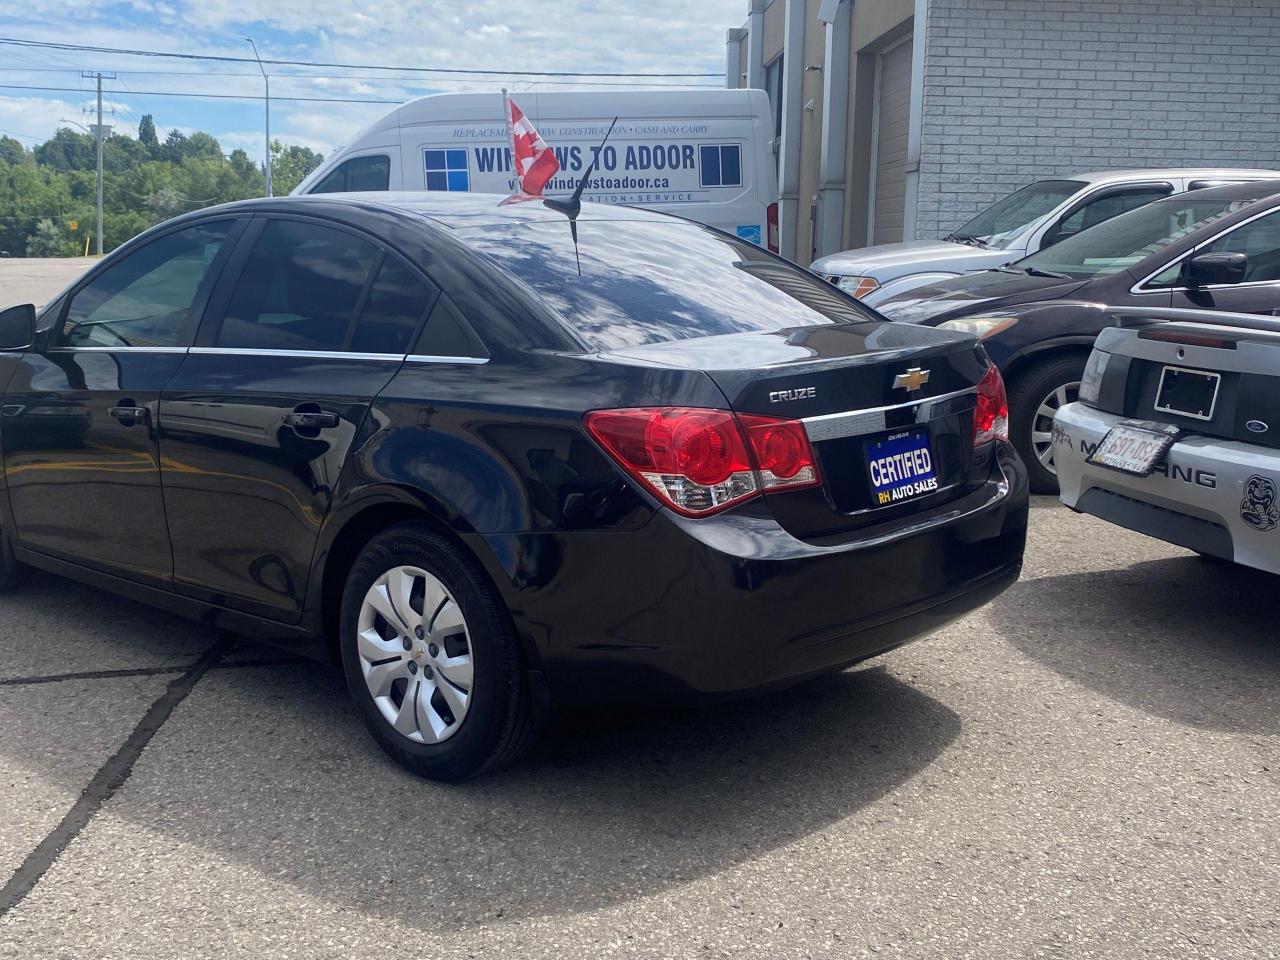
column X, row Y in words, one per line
column 128, row 415
column 310, row 419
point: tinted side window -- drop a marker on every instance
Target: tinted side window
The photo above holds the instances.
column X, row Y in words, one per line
column 1260, row 242
column 299, row 290
column 394, row 311
column 148, row 298
column 358, row 173
column 1104, row 208
column 447, row 334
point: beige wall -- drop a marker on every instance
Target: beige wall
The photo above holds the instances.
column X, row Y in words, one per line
column 773, row 29
column 875, row 24
column 811, row 129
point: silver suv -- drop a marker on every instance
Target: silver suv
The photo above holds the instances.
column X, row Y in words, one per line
column 1025, row 221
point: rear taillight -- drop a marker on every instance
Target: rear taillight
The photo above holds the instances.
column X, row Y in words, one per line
column 991, row 417
column 701, row 461
column 771, row 228
column 782, row 452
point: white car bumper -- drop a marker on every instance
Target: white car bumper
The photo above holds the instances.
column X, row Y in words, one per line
column 1218, row 497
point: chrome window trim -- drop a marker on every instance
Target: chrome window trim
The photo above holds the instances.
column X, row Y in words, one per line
column 857, row 423
column 428, row 358
column 120, row 349
column 306, row 354
column 1140, row 287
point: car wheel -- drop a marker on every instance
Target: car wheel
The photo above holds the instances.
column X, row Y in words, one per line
column 11, row 570
column 431, row 658
column 1034, row 398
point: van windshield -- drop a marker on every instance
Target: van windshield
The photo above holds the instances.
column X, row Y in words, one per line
column 1130, row 238
column 655, row 281
column 996, row 226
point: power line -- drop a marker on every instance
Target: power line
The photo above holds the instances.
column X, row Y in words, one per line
column 409, row 81
column 48, row 45
column 198, row 96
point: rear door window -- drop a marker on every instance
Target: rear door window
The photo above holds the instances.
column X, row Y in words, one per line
column 310, row 287
column 150, row 298
column 357, row 174
column 631, row 282
column 1103, row 208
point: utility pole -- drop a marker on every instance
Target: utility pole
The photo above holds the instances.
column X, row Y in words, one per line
column 99, row 134
column 266, row 100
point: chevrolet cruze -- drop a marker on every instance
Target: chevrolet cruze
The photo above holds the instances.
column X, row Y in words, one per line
column 494, row 459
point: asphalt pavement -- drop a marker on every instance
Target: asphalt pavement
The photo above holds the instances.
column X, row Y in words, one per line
column 1086, row 768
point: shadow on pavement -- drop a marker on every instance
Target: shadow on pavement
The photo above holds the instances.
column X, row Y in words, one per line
column 1191, row 640
column 272, row 769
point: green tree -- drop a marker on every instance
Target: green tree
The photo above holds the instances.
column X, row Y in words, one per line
column 201, row 144
column 246, row 170
column 289, row 165
column 147, row 135
column 174, row 147
column 68, row 150
column 48, row 240
column 122, row 153
column 12, row 151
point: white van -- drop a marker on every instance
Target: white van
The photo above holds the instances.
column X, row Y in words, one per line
column 701, row 154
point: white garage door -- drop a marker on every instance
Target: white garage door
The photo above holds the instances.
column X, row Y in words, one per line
column 889, row 149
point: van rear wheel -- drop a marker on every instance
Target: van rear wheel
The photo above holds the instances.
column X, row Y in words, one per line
column 430, row 657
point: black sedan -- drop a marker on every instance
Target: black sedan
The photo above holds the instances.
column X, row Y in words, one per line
column 1214, row 249
column 490, row 464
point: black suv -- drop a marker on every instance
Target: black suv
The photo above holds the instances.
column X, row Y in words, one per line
column 489, row 463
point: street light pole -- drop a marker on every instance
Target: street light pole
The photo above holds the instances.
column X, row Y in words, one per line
column 266, row 99
column 99, row 135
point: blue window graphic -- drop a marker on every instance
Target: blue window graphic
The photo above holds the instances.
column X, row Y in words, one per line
column 447, row 170
column 721, row 165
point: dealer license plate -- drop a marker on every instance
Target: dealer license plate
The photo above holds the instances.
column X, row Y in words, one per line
column 901, row 468
column 1134, row 446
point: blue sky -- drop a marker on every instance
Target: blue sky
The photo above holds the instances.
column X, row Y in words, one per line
column 620, row 36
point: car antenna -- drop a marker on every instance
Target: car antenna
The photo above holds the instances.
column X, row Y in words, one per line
column 573, row 206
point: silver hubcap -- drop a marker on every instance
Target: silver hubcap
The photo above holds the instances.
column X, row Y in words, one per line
column 415, row 653
column 1042, row 422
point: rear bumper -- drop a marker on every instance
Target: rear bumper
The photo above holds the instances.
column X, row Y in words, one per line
column 1201, row 497
column 714, row 607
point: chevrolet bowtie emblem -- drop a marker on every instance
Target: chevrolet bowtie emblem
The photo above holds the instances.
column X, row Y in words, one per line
column 913, row 379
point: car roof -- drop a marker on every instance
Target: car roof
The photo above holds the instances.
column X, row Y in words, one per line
column 1254, row 190
column 1206, row 173
column 458, row 211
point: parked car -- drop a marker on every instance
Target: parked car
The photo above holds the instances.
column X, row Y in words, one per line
column 1037, row 216
column 489, row 463
column 1216, row 249
column 1177, row 432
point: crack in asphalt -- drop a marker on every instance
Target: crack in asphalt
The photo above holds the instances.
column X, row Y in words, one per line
column 143, row 671
column 112, row 774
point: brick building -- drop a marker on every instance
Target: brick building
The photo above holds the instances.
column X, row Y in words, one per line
column 900, row 119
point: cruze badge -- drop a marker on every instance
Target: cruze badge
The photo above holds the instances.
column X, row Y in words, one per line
column 913, row 379
column 797, row 393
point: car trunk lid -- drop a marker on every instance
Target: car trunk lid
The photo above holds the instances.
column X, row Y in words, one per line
column 864, row 391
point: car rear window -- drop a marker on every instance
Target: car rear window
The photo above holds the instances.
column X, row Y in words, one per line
column 636, row 282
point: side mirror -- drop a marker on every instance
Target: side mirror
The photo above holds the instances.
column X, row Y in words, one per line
column 1204, row 269
column 17, row 327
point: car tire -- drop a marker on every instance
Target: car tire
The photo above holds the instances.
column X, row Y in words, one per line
column 441, row 686
column 11, row 571
column 1033, row 396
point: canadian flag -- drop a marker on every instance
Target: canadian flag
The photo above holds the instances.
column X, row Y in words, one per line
column 533, row 162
